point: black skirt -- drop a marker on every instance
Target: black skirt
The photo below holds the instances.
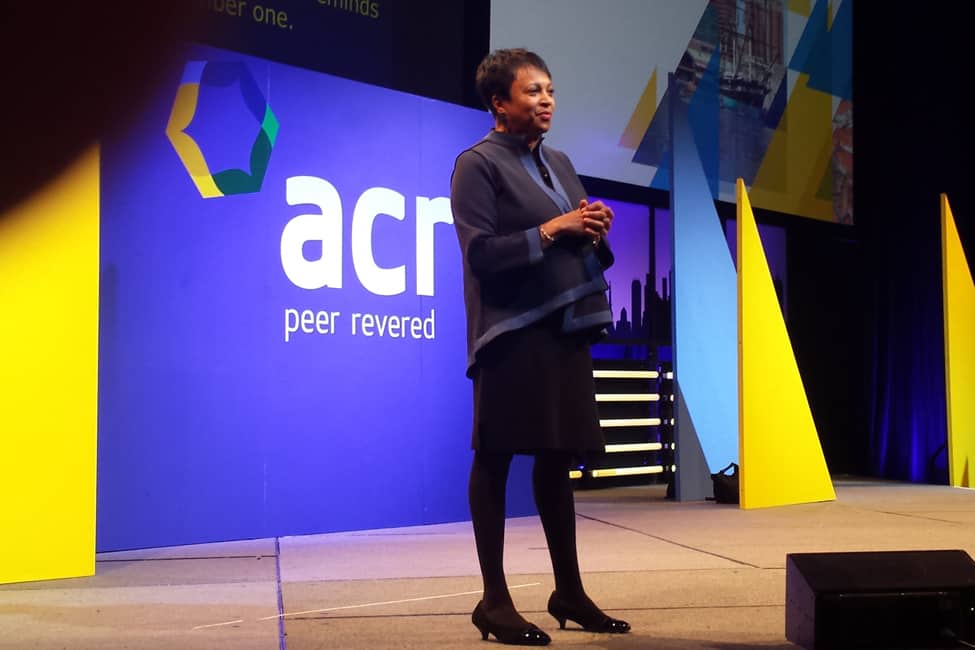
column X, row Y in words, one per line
column 534, row 391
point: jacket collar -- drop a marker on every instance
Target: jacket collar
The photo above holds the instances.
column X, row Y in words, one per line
column 512, row 140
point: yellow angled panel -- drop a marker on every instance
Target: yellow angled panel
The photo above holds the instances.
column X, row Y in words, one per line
column 798, row 157
column 802, row 7
column 643, row 114
column 780, row 456
column 49, row 379
column 959, row 308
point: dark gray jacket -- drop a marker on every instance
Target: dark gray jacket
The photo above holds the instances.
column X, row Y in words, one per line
column 498, row 200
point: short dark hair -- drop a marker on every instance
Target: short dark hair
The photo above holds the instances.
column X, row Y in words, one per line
column 497, row 72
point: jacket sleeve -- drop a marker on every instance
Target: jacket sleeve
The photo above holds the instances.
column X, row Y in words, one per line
column 605, row 254
column 473, row 201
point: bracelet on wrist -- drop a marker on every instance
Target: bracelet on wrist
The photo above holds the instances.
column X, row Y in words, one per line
column 547, row 237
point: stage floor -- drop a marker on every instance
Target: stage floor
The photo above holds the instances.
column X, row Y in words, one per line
column 685, row 575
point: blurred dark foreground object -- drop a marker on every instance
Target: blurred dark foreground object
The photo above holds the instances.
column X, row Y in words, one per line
column 73, row 71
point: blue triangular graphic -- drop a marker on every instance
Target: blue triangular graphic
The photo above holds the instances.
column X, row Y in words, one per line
column 826, row 55
column 702, row 116
column 654, row 148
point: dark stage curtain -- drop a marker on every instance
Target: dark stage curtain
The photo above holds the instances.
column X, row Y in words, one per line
column 908, row 427
column 910, row 147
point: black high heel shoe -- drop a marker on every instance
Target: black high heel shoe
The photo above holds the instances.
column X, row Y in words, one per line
column 508, row 634
column 591, row 620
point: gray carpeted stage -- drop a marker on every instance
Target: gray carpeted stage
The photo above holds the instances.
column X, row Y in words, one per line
column 694, row 575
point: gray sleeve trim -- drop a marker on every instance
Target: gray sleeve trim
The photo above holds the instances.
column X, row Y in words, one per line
column 535, row 253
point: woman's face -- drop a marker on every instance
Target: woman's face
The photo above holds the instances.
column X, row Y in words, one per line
column 532, row 103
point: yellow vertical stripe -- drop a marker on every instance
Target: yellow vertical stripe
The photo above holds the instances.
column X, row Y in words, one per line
column 49, row 379
column 959, row 312
column 780, row 456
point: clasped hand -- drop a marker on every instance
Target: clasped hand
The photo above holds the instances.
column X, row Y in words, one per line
column 591, row 219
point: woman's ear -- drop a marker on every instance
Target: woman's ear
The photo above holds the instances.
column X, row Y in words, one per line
column 496, row 103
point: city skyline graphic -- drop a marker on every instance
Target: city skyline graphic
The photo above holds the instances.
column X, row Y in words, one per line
column 640, row 280
column 639, row 285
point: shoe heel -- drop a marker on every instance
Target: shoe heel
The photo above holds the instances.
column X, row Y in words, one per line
column 556, row 611
column 478, row 619
column 591, row 619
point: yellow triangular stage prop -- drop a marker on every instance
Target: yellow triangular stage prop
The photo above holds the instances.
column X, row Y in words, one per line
column 49, row 378
column 780, row 456
column 959, row 307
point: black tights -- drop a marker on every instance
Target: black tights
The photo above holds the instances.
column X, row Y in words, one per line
column 556, row 508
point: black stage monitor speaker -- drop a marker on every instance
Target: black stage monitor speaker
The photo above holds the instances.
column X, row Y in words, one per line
column 889, row 599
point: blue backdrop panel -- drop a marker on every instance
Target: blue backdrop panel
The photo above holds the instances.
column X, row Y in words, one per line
column 233, row 402
column 705, row 310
